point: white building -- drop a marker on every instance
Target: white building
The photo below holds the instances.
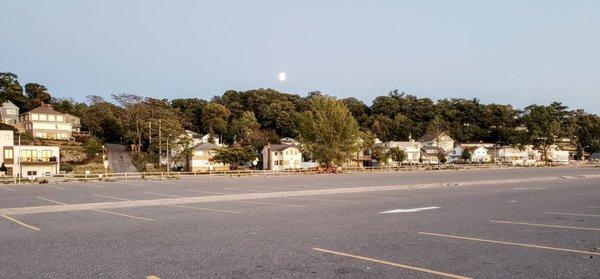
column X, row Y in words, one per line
column 513, row 156
column 31, row 161
column 281, row 157
column 9, row 113
column 556, row 155
column 202, row 138
column 411, row 148
column 441, row 140
column 479, row 153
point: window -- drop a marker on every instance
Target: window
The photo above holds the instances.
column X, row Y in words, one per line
column 46, row 154
column 43, row 117
column 60, row 118
column 277, row 163
column 275, row 153
column 34, row 116
column 8, row 154
column 28, row 155
column 51, row 118
column 31, row 172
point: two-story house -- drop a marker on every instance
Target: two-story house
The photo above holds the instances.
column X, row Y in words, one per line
column 441, row 140
column 31, row 161
column 281, row 157
column 202, row 158
column 478, row 153
column 46, row 123
column 9, row 113
column 411, row 147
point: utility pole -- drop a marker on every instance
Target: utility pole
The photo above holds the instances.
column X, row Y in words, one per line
column 168, row 163
column 18, row 160
column 159, row 143
column 150, row 132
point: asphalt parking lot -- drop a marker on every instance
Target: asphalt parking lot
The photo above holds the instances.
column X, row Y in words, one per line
column 510, row 223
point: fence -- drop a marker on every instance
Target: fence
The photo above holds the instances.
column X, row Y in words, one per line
column 242, row 173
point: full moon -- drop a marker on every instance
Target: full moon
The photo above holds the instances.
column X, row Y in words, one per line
column 281, row 76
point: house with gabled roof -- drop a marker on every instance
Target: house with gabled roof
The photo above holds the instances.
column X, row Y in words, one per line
column 281, row 157
column 202, row 158
column 45, row 123
column 441, row 140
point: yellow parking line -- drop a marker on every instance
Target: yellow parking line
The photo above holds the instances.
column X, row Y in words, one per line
column 110, row 197
column 513, row 244
column 544, row 225
column 152, row 277
column 20, row 223
column 573, row 214
column 268, row 203
column 414, row 268
column 202, row 208
column 52, row 201
column 124, row 215
column 163, row 195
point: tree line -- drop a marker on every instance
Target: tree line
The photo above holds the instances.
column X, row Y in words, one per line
column 256, row 117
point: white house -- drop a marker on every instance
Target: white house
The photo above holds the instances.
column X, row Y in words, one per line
column 31, row 161
column 9, row 113
column 556, row 155
column 513, row 156
column 411, row 148
column 281, row 157
column 479, row 154
column 441, row 140
column 202, row 138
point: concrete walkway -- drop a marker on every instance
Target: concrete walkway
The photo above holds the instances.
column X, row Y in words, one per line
column 118, row 159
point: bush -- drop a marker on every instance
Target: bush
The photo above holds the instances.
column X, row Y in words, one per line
column 92, row 146
column 66, row 167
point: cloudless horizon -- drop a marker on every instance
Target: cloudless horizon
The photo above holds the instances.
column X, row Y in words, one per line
column 508, row 52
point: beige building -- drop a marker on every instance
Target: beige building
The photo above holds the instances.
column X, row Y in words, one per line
column 281, row 157
column 46, row 123
column 9, row 113
column 31, row 161
column 202, row 159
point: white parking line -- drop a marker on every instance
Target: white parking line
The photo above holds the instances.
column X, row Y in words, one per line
column 163, row 195
column 268, row 203
column 6, row 188
column 52, row 201
column 207, row 192
column 109, row 197
column 123, row 215
column 202, row 208
column 546, row 226
column 573, row 214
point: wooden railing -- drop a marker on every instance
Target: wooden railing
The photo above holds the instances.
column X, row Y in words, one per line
column 245, row 173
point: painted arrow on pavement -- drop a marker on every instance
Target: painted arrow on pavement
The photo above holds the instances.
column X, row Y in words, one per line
column 410, row 210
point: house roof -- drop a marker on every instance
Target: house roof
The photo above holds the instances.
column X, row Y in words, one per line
column 46, row 109
column 430, row 136
column 9, row 103
column 281, row 147
column 206, row 146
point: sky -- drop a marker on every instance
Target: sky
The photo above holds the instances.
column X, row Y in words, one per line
column 517, row 52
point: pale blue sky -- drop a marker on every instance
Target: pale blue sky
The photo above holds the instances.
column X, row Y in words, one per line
column 518, row 52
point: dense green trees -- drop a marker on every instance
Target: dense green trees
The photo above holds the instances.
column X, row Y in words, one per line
column 328, row 132
column 255, row 117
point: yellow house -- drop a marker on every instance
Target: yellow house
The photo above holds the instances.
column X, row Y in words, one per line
column 202, row 159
